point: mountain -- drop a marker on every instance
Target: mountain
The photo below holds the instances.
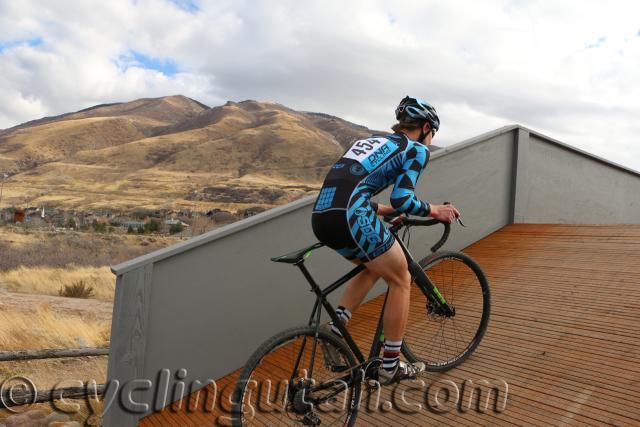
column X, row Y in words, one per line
column 172, row 153
column 57, row 138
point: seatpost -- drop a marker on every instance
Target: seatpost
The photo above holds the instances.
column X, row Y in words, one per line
column 314, row 286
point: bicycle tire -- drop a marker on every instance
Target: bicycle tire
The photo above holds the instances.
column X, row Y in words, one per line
column 450, row 272
column 277, row 358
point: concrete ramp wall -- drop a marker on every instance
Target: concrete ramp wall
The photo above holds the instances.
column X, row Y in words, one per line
column 578, row 189
column 204, row 305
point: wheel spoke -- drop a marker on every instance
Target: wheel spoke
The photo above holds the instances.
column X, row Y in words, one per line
column 440, row 341
column 263, row 403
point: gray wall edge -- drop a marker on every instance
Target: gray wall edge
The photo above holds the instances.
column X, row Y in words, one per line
column 219, row 233
column 195, row 242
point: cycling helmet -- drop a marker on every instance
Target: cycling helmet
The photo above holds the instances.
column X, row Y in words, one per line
column 415, row 110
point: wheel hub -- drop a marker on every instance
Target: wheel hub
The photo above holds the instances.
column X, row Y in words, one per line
column 441, row 310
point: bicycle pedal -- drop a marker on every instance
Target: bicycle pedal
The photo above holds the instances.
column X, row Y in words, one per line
column 371, row 374
column 372, row 384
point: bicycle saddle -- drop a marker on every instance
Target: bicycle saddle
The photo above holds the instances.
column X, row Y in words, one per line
column 296, row 256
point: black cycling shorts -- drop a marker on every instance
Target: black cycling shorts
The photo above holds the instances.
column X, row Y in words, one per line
column 356, row 233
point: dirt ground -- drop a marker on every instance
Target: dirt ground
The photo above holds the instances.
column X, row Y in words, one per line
column 87, row 308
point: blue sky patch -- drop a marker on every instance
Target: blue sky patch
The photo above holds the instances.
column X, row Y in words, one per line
column 187, row 5
column 165, row 66
column 29, row 42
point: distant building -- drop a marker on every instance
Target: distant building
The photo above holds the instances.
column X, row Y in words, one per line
column 133, row 224
column 18, row 215
column 176, row 222
column 6, row 214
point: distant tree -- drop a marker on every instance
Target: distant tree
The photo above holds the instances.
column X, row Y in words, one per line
column 98, row 227
column 71, row 223
column 140, row 229
column 176, row 228
column 130, row 229
column 152, row 226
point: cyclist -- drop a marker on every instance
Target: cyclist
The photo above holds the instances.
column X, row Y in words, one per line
column 345, row 219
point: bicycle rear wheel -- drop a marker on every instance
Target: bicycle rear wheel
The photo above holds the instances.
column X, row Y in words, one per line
column 439, row 341
column 280, row 386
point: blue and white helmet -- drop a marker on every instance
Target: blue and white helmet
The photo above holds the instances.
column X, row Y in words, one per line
column 415, row 110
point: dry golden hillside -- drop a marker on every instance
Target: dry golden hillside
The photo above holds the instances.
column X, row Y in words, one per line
column 172, row 153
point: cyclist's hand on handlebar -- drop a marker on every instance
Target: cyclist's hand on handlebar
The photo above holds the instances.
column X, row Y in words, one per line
column 389, row 214
column 397, row 220
column 446, row 213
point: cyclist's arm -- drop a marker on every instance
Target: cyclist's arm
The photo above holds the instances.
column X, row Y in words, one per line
column 440, row 212
column 403, row 198
column 385, row 210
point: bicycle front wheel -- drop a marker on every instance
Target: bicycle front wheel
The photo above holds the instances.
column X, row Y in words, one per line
column 440, row 341
column 292, row 380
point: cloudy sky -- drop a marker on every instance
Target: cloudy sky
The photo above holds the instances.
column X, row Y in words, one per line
column 568, row 69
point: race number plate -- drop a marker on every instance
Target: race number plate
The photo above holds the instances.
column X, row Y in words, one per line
column 370, row 153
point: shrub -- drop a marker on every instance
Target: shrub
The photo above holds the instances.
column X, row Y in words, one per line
column 152, row 226
column 98, row 227
column 78, row 289
column 140, row 229
column 176, row 228
column 130, row 229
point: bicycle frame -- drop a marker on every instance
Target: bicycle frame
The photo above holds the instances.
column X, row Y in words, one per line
column 418, row 276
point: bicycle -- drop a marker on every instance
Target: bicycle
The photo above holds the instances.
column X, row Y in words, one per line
column 291, row 380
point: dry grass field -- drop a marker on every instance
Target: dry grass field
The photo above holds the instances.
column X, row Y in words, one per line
column 23, row 247
column 46, row 327
column 48, row 280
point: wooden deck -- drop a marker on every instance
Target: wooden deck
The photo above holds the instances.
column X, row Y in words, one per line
column 564, row 335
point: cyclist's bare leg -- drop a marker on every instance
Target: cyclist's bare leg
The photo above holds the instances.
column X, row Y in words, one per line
column 358, row 288
column 392, row 267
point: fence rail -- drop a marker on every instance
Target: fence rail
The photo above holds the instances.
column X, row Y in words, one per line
column 10, row 398
column 53, row 353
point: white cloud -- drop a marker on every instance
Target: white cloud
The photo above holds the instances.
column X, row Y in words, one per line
column 567, row 69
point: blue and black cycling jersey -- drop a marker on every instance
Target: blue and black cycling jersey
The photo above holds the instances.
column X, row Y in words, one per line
column 364, row 170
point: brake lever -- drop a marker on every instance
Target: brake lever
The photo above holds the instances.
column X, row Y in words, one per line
column 458, row 220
